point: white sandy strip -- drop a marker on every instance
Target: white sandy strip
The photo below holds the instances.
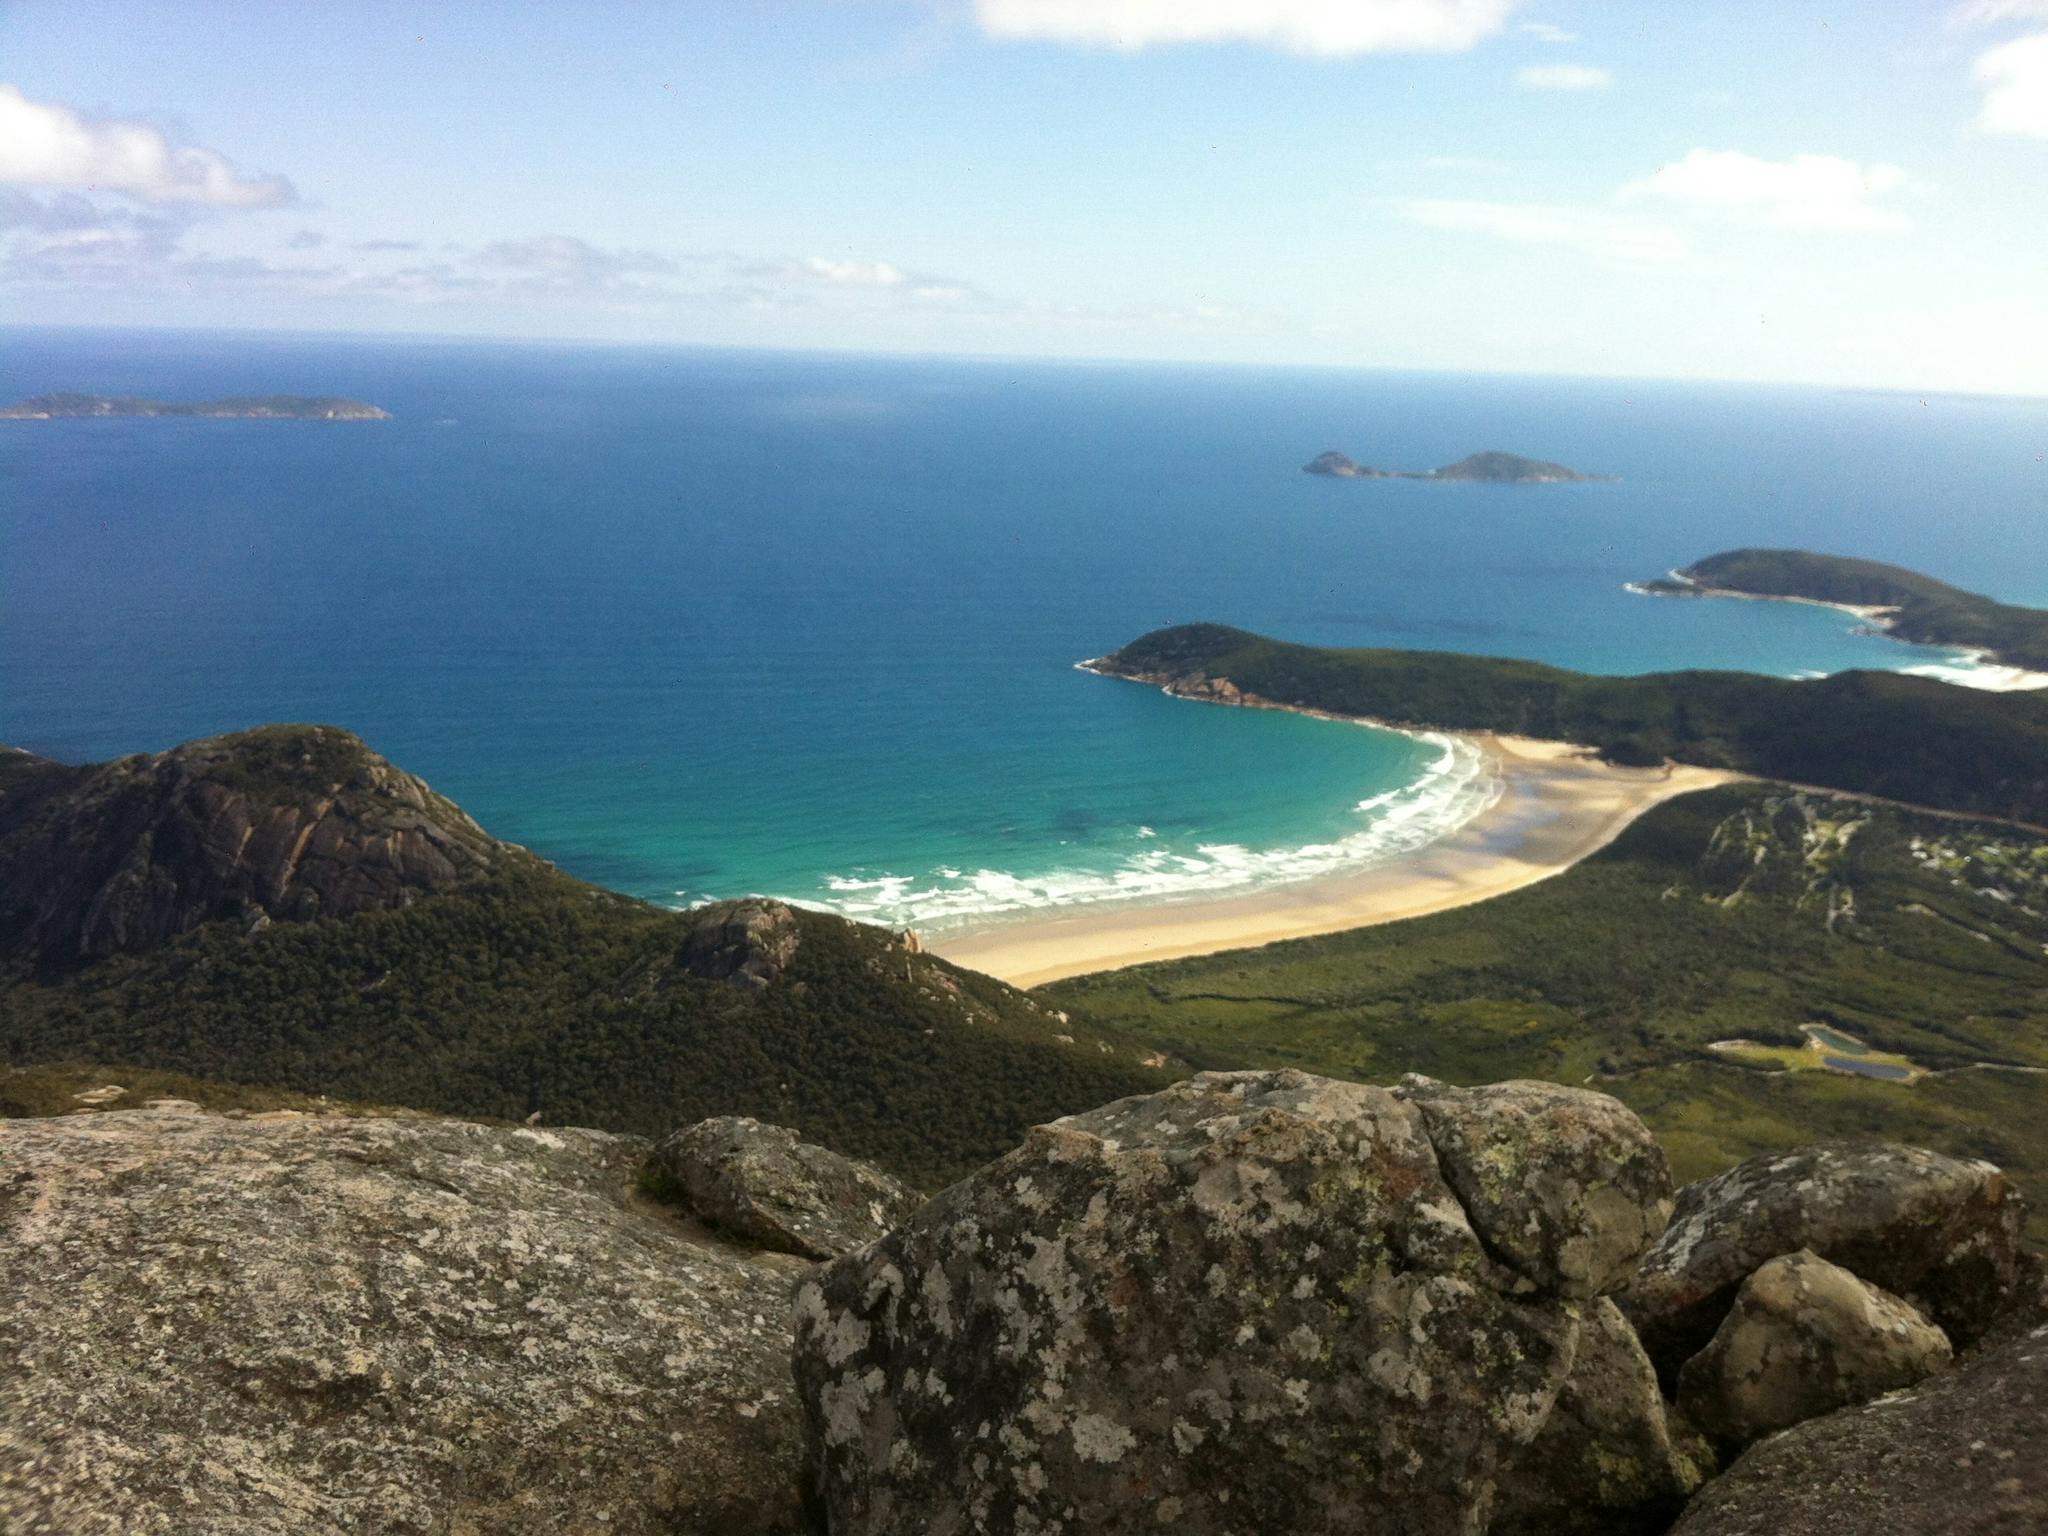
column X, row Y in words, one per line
column 1558, row 804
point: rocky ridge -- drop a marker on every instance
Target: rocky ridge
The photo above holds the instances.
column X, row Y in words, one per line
column 1253, row 1301
column 284, row 823
column 309, row 1325
column 1250, row 1302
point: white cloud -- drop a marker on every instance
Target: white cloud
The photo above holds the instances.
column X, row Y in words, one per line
column 1990, row 12
column 43, row 145
column 1327, row 28
column 1804, row 192
column 563, row 261
column 2015, row 78
column 1477, row 165
column 1620, row 238
column 1563, row 77
column 856, row 274
column 69, row 241
column 1544, row 32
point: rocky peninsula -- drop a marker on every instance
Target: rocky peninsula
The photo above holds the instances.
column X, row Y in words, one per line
column 1491, row 467
column 243, row 407
column 1891, row 599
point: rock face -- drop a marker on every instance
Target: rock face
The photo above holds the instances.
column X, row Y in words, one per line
column 766, row 1187
column 1604, row 1463
column 1804, row 1338
column 1941, row 1233
column 1566, row 1186
column 284, row 823
column 1965, row 1452
column 1250, row 1302
column 748, row 943
column 320, row 1325
column 1331, row 462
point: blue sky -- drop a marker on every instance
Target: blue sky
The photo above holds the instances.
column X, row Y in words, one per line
column 1720, row 189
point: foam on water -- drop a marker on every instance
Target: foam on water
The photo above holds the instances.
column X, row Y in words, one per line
column 1457, row 786
column 1973, row 671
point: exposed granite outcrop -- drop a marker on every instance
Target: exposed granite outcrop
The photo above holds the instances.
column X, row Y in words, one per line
column 1252, row 1301
column 765, row 1186
column 748, row 943
column 1940, row 1232
column 284, row 823
column 315, row 1325
column 1566, row 1186
column 1804, row 1338
column 1966, row 1452
column 1606, row 1462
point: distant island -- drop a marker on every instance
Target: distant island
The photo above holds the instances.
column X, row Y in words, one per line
column 1901, row 603
column 246, row 407
column 1492, row 467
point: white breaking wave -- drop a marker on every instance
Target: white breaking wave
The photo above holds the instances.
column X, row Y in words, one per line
column 1456, row 787
column 1973, row 672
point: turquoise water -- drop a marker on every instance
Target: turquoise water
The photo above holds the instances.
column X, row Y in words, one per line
column 697, row 624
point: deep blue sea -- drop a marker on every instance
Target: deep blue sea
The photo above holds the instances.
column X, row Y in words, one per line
column 699, row 623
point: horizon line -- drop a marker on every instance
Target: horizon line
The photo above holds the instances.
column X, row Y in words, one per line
column 936, row 355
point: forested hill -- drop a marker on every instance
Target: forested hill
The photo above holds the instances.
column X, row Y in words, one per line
column 1880, row 733
column 1927, row 611
column 283, row 907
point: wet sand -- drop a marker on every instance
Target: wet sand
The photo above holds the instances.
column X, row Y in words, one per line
column 1558, row 804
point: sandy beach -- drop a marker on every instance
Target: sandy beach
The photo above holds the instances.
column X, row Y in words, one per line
column 1558, row 804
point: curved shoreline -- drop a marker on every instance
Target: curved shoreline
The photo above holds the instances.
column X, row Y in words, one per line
column 1994, row 676
column 1558, row 804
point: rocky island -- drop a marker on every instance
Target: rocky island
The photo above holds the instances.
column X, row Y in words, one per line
column 241, row 407
column 1491, row 467
column 1898, row 602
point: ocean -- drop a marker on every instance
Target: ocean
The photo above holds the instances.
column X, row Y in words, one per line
column 698, row 624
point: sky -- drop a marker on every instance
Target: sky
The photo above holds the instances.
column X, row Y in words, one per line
column 1853, row 192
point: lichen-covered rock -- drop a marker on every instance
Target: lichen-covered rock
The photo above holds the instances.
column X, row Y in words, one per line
column 1605, row 1462
column 764, row 1185
column 747, row 943
column 1567, row 1185
column 1250, row 1302
column 1965, row 1452
column 1939, row 1232
column 1804, row 1337
column 325, row 1326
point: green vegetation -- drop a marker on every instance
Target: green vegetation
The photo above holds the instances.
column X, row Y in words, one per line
column 1507, row 469
column 71, row 1087
column 1739, row 913
column 1493, row 467
column 529, row 992
column 1929, row 612
column 1880, row 733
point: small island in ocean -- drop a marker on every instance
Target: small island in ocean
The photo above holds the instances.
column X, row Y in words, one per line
column 1900, row 603
column 248, row 407
column 1491, row 467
